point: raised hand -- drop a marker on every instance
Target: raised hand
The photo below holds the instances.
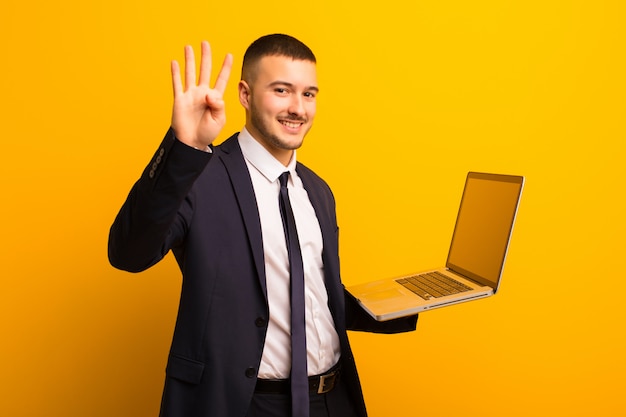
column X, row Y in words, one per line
column 199, row 112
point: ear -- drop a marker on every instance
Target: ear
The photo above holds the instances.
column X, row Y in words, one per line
column 244, row 94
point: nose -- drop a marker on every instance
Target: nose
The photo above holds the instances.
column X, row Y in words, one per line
column 296, row 105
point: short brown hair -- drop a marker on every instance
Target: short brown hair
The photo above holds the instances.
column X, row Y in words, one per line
column 274, row 45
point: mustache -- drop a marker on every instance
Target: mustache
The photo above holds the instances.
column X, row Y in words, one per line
column 294, row 118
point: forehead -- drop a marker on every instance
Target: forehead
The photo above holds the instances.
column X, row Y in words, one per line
column 278, row 68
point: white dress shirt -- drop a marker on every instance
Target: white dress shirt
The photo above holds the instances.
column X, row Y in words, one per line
column 323, row 349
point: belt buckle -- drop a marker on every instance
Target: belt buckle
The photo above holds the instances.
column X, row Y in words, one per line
column 326, row 387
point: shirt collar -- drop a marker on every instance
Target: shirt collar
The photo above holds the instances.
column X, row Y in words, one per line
column 261, row 159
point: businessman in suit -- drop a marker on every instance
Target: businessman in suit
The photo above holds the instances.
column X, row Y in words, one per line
column 217, row 208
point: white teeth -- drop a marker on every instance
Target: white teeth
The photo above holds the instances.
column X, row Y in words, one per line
column 291, row 125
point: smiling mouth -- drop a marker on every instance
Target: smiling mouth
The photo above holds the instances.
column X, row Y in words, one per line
column 291, row 124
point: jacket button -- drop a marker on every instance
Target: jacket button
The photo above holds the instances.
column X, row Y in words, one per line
column 250, row 372
column 260, row 322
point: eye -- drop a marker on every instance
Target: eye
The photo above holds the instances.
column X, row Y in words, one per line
column 280, row 90
column 309, row 94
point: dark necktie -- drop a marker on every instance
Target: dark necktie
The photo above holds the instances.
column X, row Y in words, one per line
column 299, row 378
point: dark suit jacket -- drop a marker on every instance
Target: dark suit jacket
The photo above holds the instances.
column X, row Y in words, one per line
column 202, row 207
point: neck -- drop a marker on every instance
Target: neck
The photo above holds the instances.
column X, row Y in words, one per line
column 282, row 155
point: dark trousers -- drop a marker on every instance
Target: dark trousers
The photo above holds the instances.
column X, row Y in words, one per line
column 335, row 403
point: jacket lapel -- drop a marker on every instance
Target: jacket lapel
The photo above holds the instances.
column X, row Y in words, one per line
column 324, row 207
column 231, row 156
column 237, row 170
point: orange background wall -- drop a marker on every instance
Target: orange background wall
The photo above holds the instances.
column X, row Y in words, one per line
column 414, row 95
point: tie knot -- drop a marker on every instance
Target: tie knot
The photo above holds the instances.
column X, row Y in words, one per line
column 283, row 178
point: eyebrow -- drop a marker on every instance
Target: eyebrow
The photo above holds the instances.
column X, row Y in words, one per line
column 287, row 84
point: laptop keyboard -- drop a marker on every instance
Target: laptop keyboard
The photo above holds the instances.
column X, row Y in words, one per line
column 433, row 285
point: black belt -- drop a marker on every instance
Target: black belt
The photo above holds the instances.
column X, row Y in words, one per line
column 320, row 384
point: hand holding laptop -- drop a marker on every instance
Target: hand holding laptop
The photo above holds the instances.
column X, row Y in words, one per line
column 475, row 261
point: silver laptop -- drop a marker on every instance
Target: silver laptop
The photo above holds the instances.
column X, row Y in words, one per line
column 475, row 260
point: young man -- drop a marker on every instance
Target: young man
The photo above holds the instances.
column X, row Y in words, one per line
column 222, row 212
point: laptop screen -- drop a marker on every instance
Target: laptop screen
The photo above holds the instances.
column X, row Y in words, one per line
column 484, row 225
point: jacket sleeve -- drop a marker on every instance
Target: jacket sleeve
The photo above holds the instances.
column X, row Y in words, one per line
column 359, row 320
column 156, row 212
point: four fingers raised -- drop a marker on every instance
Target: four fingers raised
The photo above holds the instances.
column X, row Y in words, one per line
column 205, row 71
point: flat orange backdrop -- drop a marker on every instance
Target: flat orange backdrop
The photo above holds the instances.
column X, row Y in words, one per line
column 413, row 95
